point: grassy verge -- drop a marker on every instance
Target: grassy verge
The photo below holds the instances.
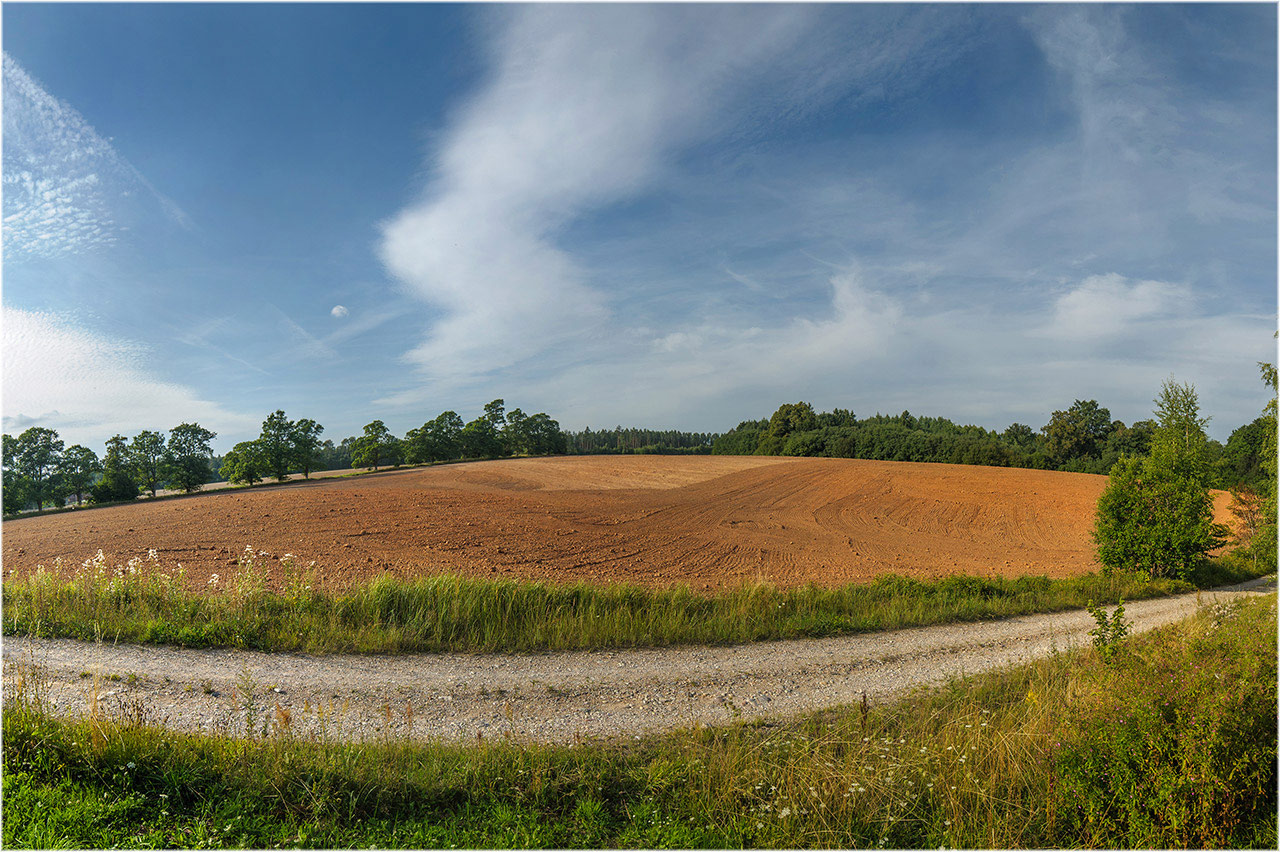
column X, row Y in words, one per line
column 140, row 602
column 1169, row 742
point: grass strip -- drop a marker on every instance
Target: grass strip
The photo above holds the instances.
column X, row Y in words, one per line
column 1169, row 742
column 141, row 603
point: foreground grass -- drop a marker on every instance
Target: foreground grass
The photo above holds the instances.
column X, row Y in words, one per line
column 1170, row 743
column 140, row 602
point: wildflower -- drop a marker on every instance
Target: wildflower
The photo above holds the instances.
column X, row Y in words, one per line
column 784, row 813
column 213, row 579
column 131, row 765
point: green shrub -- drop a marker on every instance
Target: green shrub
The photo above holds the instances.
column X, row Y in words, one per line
column 1154, row 520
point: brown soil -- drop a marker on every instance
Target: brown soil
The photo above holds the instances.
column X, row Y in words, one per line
column 708, row 522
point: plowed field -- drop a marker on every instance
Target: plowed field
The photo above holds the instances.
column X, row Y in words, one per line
column 708, row 522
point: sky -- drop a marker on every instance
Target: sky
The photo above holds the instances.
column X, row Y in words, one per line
column 664, row 216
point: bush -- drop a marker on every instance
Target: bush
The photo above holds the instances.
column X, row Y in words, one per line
column 1154, row 520
column 114, row 487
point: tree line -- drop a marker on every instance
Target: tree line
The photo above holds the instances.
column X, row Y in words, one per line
column 1081, row 438
column 38, row 470
column 286, row 447
column 639, row 441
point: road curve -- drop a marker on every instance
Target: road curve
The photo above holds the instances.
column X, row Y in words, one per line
column 548, row 697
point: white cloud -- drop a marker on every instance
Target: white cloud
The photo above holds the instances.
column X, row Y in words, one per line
column 66, row 189
column 958, row 306
column 89, row 387
column 339, row 312
column 587, row 106
column 1110, row 305
column 657, row 378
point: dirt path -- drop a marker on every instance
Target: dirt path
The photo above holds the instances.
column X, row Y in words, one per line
column 554, row 697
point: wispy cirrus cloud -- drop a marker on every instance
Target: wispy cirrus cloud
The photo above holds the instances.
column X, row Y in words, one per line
column 587, row 107
column 952, row 269
column 66, row 189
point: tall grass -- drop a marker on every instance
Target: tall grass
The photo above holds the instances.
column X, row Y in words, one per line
column 1170, row 742
column 142, row 602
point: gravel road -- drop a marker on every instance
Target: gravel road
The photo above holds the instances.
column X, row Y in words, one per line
column 550, row 697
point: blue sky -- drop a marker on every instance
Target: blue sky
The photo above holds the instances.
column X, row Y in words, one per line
column 663, row 216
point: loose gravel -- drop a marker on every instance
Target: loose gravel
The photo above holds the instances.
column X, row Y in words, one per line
column 551, row 697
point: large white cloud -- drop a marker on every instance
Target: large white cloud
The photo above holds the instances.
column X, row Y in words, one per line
column 994, row 295
column 587, row 106
column 89, row 387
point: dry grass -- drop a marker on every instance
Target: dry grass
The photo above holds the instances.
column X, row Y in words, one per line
column 1168, row 742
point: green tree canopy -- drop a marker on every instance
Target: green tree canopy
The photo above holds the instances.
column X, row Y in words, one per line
column 542, row 435
column 480, row 439
column 1020, row 435
column 37, row 455
column 515, row 438
column 493, row 412
column 1156, row 514
column 305, row 437
column 15, row 487
column 188, row 457
column 1077, row 432
column 117, row 482
column 146, row 457
column 244, row 464
column 1263, row 546
column 377, row 446
column 1179, row 442
column 79, row 469
column 277, row 445
column 446, row 436
column 790, row 417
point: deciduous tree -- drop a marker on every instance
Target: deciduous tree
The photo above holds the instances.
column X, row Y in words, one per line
column 377, row 446
column 305, row 436
column 15, row 487
column 277, row 445
column 38, row 452
column 188, row 456
column 1156, row 514
column 1077, row 432
column 480, row 439
column 79, row 469
column 118, row 482
column 146, row 457
column 493, row 412
column 244, row 463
